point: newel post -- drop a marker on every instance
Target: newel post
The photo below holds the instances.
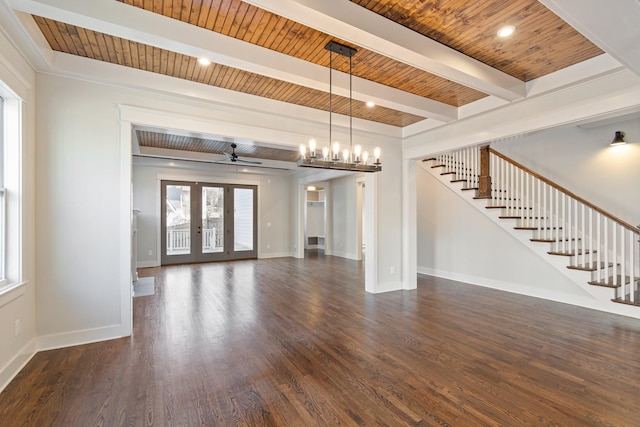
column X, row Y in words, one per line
column 484, row 181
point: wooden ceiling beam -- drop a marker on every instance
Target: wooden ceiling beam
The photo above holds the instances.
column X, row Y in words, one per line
column 364, row 28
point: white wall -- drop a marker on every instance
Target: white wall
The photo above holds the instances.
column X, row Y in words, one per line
column 274, row 223
column 78, row 199
column 345, row 218
column 18, row 304
column 581, row 160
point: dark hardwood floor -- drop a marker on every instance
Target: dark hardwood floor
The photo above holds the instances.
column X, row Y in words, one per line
column 288, row 342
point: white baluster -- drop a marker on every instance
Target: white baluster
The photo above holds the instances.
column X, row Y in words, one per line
column 583, row 242
column 569, row 221
column 606, row 247
column 598, row 246
column 576, row 246
column 538, row 207
column 614, row 243
column 525, row 206
column 590, row 238
column 633, row 238
column 556, row 221
column 563, row 234
column 544, row 218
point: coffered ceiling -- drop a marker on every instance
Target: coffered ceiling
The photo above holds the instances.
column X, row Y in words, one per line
column 419, row 61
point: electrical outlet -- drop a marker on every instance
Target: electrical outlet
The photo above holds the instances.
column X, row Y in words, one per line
column 268, row 246
column 392, row 269
column 17, row 327
column 150, row 253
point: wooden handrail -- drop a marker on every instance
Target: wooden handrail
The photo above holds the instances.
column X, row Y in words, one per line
column 567, row 192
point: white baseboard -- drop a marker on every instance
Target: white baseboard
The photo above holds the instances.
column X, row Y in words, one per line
column 275, row 255
column 387, row 287
column 12, row 368
column 581, row 301
column 147, row 264
column 87, row 336
column 346, row 255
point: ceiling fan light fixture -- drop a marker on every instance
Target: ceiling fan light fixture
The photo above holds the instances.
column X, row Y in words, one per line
column 506, row 31
column 353, row 159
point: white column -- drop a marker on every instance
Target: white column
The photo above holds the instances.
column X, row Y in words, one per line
column 409, row 226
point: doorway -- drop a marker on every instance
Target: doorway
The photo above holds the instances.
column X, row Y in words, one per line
column 202, row 222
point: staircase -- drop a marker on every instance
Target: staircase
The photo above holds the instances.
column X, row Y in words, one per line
column 589, row 240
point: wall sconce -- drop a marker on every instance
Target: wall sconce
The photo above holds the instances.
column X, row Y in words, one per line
column 618, row 139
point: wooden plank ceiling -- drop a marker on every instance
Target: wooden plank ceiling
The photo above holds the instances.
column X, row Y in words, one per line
column 544, row 44
column 212, row 146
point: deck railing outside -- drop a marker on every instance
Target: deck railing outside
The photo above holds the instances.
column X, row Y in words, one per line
column 179, row 241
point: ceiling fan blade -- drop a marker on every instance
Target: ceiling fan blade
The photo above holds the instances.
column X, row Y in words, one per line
column 254, row 162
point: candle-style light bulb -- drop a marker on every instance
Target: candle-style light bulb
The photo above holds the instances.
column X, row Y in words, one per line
column 325, row 153
column 376, row 155
column 303, row 151
column 336, row 150
column 365, row 157
column 346, row 155
column 357, row 150
column 312, row 147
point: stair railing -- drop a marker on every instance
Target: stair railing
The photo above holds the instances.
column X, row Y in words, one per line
column 596, row 240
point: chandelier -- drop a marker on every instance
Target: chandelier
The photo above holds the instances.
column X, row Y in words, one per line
column 351, row 158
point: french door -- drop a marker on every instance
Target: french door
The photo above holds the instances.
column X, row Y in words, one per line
column 203, row 222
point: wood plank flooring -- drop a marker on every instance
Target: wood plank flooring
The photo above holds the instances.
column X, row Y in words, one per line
column 288, row 342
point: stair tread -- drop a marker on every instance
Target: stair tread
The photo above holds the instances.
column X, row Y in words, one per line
column 482, row 197
column 553, row 240
column 538, row 228
column 569, row 253
column 459, row 180
column 610, row 282
column 437, row 166
column 448, row 173
column 469, row 188
column 585, row 268
column 628, row 301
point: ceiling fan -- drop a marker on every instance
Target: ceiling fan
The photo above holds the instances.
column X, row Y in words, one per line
column 233, row 157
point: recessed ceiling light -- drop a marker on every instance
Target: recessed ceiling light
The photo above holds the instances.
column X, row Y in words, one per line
column 371, row 104
column 204, row 61
column 506, row 31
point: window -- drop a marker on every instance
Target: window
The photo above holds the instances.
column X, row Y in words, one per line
column 3, row 197
column 10, row 189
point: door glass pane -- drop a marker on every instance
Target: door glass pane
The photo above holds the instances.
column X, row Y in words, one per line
column 243, row 219
column 212, row 219
column 178, row 219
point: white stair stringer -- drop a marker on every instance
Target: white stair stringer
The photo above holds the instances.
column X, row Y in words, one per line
column 602, row 296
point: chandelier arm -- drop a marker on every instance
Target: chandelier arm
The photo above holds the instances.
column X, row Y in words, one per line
column 330, row 97
column 350, row 110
